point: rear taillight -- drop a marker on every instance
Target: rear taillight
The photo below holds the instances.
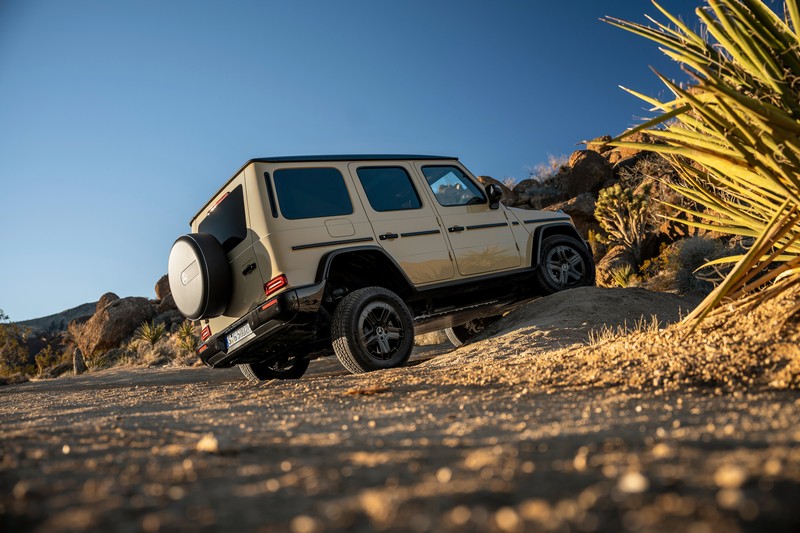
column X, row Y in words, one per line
column 205, row 333
column 275, row 284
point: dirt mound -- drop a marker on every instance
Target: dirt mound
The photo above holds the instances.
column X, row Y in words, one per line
column 547, row 345
column 588, row 308
column 566, row 318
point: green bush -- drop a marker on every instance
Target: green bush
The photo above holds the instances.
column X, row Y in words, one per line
column 186, row 336
column 151, row 332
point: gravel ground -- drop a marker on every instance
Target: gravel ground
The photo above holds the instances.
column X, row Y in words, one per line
column 460, row 440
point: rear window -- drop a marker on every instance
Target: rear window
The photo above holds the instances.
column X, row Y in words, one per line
column 226, row 220
column 388, row 188
column 311, row 193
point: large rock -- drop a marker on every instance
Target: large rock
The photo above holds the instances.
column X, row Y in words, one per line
column 641, row 138
column 581, row 209
column 162, row 287
column 105, row 300
column 617, row 257
column 509, row 198
column 599, row 144
column 588, row 172
column 539, row 194
column 166, row 304
column 111, row 324
column 78, row 364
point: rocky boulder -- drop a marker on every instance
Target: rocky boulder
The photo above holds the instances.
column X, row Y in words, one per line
column 599, row 144
column 616, row 258
column 538, row 194
column 581, row 210
column 105, row 300
column 640, row 138
column 167, row 304
column 162, row 287
column 111, row 324
column 509, row 198
column 588, row 171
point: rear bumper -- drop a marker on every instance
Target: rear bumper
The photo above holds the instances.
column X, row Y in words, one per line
column 283, row 317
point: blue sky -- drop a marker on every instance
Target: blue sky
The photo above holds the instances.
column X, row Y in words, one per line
column 119, row 119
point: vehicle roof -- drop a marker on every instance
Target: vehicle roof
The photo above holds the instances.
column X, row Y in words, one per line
column 323, row 158
column 345, row 157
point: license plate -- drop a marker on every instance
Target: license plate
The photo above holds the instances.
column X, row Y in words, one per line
column 243, row 333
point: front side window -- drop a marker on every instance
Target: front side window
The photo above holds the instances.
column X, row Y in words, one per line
column 451, row 187
column 226, row 220
column 388, row 188
column 311, row 193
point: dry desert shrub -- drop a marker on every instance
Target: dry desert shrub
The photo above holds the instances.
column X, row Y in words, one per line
column 681, row 266
column 734, row 348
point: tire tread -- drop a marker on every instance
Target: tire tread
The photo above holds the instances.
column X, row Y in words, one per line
column 347, row 353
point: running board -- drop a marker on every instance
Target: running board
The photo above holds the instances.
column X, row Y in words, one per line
column 462, row 315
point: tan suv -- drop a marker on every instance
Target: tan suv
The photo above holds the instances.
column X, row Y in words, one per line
column 297, row 257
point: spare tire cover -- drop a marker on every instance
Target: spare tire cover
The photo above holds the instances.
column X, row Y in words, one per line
column 199, row 276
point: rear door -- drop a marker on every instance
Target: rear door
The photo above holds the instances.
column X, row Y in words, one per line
column 403, row 219
column 227, row 221
column 481, row 238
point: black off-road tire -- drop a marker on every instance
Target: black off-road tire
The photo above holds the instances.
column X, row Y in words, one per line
column 294, row 368
column 199, row 276
column 460, row 335
column 564, row 263
column 372, row 329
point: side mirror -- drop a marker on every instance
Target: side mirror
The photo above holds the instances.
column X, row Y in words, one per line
column 494, row 193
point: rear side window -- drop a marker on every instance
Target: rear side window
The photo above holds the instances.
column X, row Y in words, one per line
column 311, row 193
column 226, row 220
column 388, row 188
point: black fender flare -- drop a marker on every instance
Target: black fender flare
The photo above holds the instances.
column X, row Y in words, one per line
column 324, row 267
column 564, row 228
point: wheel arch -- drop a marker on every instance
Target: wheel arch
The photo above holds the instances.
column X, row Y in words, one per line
column 363, row 266
column 546, row 230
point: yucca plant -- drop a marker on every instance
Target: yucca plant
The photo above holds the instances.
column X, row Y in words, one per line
column 624, row 276
column 151, row 332
column 733, row 136
column 186, row 336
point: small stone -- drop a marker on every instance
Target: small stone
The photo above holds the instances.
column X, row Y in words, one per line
column 305, row 524
column 633, row 483
column 730, row 477
column 730, row 498
column 460, row 515
column 444, row 475
column 507, row 519
column 208, row 444
column 24, row 490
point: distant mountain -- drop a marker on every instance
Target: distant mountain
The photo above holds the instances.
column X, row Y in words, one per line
column 57, row 322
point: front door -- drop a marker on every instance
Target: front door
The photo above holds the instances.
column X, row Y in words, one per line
column 481, row 238
column 404, row 221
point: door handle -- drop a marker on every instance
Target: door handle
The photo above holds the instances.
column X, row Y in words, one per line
column 388, row 235
column 455, row 229
column 248, row 269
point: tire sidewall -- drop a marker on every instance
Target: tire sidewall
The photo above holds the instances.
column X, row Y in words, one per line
column 546, row 283
column 346, row 328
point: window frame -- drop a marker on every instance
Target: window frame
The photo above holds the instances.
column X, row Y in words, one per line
column 484, row 199
column 233, row 194
column 275, row 179
column 420, row 204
